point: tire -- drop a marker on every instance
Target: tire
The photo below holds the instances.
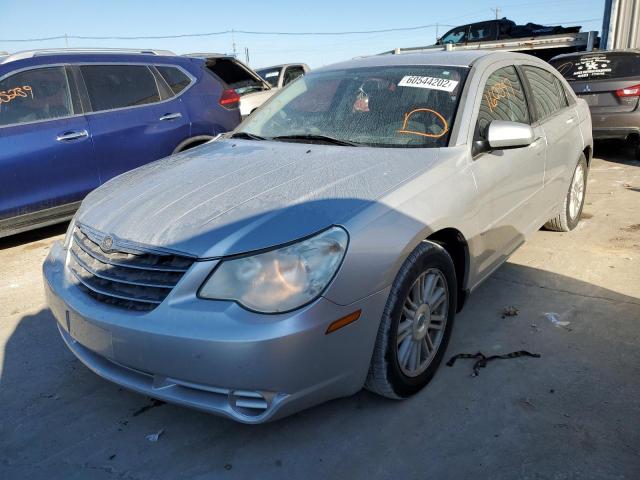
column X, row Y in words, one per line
column 570, row 214
column 388, row 374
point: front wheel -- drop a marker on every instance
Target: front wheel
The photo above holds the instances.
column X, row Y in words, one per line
column 571, row 211
column 416, row 324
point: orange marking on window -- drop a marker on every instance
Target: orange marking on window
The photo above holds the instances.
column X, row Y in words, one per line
column 499, row 91
column 430, row 135
column 7, row 96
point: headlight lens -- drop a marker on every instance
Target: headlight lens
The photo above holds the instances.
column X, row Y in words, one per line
column 283, row 279
column 69, row 234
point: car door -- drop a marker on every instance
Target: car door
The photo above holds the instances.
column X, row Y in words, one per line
column 559, row 121
column 509, row 181
column 134, row 119
column 46, row 154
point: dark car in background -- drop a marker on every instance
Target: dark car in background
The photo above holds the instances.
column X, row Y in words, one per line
column 609, row 81
column 72, row 119
column 499, row 29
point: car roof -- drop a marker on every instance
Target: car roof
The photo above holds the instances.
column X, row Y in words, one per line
column 74, row 52
column 462, row 58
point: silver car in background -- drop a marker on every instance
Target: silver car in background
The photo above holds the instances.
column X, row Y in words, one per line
column 328, row 242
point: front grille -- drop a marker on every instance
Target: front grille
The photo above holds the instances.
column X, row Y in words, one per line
column 120, row 277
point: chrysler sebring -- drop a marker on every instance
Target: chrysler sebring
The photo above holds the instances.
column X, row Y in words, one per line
column 327, row 243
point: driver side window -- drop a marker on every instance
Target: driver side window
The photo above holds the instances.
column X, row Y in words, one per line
column 502, row 99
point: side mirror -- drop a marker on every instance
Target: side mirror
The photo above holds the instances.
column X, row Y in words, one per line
column 502, row 135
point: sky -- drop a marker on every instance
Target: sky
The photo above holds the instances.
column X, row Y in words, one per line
column 46, row 18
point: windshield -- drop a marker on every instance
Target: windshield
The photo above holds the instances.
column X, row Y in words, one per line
column 270, row 75
column 378, row 106
column 598, row 66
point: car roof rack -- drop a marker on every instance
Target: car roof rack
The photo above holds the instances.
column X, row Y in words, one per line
column 208, row 55
column 60, row 51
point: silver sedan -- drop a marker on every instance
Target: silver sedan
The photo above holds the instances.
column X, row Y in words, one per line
column 327, row 243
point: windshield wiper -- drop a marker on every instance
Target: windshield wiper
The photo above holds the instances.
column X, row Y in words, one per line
column 319, row 138
column 247, row 136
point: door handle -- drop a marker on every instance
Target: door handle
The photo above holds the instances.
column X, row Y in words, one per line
column 570, row 120
column 67, row 136
column 170, row 116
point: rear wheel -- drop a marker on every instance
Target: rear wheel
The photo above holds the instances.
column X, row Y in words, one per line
column 416, row 324
column 571, row 211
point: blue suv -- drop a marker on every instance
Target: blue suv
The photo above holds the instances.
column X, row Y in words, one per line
column 71, row 120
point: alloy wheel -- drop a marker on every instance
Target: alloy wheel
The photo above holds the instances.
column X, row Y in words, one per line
column 422, row 322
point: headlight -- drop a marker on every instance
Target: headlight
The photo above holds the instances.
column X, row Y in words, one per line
column 280, row 280
column 69, row 234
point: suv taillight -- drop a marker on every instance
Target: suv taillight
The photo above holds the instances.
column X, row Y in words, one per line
column 229, row 99
column 629, row 91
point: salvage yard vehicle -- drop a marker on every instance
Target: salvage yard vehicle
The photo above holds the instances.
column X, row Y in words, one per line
column 251, row 87
column 328, row 242
column 72, row 119
column 610, row 84
column 279, row 76
column 500, row 29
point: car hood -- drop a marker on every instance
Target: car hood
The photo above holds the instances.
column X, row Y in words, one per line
column 234, row 196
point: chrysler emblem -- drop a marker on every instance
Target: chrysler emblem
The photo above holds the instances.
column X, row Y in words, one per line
column 106, row 244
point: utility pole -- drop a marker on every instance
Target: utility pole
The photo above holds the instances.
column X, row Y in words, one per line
column 66, row 40
column 497, row 11
column 233, row 43
column 246, row 55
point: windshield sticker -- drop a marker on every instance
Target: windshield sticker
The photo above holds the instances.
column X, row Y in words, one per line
column 498, row 91
column 9, row 95
column 432, row 83
column 271, row 74
column 593, row 66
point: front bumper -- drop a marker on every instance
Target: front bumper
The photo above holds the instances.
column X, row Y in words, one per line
column 214, row 355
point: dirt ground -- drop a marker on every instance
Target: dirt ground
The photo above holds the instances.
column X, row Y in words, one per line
column 573, row 413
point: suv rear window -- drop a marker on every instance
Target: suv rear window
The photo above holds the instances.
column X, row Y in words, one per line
column 598, row 66
column 119, row 86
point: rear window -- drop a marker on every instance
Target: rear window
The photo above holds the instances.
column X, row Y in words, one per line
column 119, row 86
column 234, row 75
column 271, row 75
column 598, row 66
column 175, row 78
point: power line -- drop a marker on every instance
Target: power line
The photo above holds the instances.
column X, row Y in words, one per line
column 222, row 32
column 246, row 32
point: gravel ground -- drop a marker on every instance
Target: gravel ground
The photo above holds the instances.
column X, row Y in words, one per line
column 573, row 413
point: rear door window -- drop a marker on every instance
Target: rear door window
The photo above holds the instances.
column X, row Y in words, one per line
column 119, row 86
column 175, row 78
column 503, row 98
column 35, row 95
column 548, row 95
column 598, row 66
